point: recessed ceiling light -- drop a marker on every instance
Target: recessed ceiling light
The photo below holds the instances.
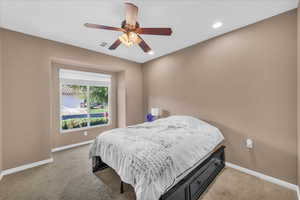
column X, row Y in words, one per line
column 217, row 25
column 150, row 52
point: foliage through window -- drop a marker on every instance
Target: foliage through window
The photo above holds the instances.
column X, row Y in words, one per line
column 84, row 99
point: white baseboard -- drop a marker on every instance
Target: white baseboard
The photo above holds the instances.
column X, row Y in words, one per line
column 264, row 177
column 27, row 166
column 42, row 162
column 71, row 146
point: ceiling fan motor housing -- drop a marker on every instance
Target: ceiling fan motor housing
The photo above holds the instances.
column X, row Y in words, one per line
column 128, row 27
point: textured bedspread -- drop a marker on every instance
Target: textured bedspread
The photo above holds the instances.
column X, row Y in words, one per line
column 152, row 157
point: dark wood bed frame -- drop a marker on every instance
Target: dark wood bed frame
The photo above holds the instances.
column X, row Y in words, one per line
column 192, row 185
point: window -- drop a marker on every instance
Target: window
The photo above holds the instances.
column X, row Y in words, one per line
column 84, row 99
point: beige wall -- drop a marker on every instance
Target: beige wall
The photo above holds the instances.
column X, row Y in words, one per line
column 245, row 83
column 121, row 99
column 298, row 92
column 1, row 142
column 27, row 83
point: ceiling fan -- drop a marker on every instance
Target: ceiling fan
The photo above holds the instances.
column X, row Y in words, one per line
column 132, row 30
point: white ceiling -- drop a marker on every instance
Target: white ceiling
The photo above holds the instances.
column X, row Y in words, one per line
column 191, row 21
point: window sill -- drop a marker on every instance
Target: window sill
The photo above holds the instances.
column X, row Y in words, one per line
column 84, row 129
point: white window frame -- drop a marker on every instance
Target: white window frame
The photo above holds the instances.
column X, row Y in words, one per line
column 88, row 106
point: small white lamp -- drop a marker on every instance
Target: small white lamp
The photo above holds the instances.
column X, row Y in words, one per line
column 155, row 112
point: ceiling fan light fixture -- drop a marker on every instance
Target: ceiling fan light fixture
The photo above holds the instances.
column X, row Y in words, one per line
column 125, row 40
column 133, row 37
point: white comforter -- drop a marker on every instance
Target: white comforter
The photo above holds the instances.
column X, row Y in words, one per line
column 154, row 156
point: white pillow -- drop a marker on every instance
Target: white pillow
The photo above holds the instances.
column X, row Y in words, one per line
column 189, row 121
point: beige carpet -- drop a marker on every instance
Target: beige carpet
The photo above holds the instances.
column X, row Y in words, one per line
column 70, row 177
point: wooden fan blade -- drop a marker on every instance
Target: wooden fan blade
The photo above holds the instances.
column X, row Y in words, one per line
column 131, row 14
column 154, row 31
column 144, row 45
column 103, row 27
column 115, row 45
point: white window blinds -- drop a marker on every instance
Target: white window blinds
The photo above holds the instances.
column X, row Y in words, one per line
column 72, row 77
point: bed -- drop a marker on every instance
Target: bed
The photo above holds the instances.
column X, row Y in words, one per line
column 173, row 158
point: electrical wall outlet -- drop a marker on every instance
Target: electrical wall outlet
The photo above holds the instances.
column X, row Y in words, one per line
column 85, row 133
column 249, row 143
